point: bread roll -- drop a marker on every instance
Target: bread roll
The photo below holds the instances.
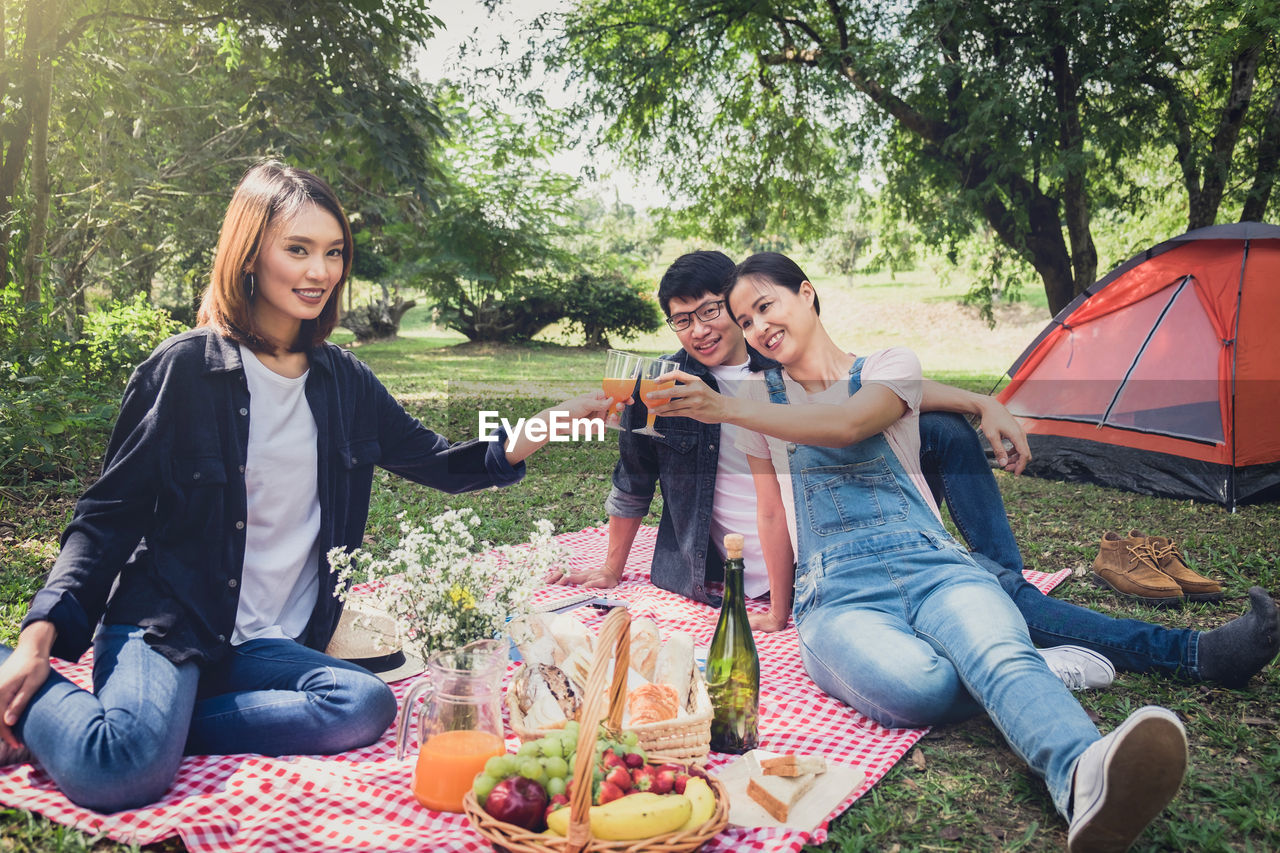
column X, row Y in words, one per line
column 675, row 666
column 652, row 703
column 645, row 644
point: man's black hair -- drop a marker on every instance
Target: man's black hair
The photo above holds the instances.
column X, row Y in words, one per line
column 692, row 275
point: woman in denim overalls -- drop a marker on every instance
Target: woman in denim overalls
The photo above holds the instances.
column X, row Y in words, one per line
column 894, row 617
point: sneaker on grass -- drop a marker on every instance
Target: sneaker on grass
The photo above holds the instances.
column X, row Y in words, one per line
column 1125, row 779
column 1078, row 667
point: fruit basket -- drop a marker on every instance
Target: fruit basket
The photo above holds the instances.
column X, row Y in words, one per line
column 603, row 702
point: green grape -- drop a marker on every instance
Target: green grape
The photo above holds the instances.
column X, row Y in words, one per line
column 497, row 766
column 555, row 785
column 557, row 768
column 483, row 785
column 552, row 747
column 630, row 738
column 531, row 768
column 571, row 727
column 528, row 749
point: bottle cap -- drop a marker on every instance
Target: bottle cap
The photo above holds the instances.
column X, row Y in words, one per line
column 733, row 546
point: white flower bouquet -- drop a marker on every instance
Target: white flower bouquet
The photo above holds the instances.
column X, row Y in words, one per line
column 445, row 588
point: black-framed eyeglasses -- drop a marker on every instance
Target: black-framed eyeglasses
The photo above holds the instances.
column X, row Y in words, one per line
column 705, row 313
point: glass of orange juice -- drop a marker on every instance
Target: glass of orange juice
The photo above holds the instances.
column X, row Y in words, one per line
column 654, row 373
column 459, row 725
column 621, row 370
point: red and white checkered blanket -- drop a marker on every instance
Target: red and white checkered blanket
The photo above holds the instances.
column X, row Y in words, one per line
column 361, row 801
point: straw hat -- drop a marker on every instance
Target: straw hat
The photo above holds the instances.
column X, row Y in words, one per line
column 370, row 637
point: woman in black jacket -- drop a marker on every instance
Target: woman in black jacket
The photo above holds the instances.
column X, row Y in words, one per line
column 195, row 566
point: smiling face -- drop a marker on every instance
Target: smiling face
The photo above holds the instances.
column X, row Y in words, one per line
column 297, row 269
column 713, row 342
column 775, row 320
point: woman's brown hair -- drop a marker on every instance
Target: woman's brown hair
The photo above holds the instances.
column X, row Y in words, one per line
column 268, row 192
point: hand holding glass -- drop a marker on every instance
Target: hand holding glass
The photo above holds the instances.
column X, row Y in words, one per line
column 621, row 370
column 654, row 372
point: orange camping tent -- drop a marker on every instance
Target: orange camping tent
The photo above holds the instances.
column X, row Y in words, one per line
column 1164, row 376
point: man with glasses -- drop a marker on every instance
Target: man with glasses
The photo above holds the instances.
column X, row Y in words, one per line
column 708, row 491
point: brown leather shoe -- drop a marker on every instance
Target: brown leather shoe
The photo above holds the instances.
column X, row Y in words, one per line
column 1128, row 566
column 1170, row 561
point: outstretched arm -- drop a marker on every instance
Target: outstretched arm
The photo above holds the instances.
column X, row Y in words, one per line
column 593, row 404
column 996, row 422
column 868, row 412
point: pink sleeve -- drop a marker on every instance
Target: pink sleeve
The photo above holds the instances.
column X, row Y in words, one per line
column 898, row 369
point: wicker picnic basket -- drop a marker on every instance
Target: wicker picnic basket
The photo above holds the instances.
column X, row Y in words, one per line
column 598, row 705
column 684, row 740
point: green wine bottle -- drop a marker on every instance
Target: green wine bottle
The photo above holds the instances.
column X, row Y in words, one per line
column 733, row 667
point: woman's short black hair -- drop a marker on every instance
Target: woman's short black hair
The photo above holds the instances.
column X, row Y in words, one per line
column 775, row 268
column 692, row 275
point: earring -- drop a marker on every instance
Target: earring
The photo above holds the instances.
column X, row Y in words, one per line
column 251, row 283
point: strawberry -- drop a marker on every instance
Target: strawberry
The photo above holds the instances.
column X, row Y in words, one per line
column 612, row 759
column 559, row 801
column 681, row 780
column 608, row 793
column 633, row 760
column 642, row 778
column 663, row 781
column 620, row 777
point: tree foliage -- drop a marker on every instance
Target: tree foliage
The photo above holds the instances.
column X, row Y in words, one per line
column 1018, row 116
column 126, row 124
column 507, row 255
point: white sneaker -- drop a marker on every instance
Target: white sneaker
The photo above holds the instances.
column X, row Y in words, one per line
column 1124, row 780
column 1078, row 667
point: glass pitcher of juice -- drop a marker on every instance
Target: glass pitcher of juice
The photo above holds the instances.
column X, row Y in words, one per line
column 459, row 723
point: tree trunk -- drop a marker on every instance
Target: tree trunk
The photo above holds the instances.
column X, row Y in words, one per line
column 33, row 261
column 1205, row 203
column 1075, row 196
column 1264, row 176
column 17, row 131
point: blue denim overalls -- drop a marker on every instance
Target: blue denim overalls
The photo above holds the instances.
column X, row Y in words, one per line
column 898, row 621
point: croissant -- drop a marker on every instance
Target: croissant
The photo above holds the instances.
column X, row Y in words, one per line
column 653, row 703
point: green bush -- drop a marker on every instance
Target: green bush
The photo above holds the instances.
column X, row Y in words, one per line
column 59, row 394
column 610, row 303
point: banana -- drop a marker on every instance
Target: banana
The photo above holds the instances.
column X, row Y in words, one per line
column 631, row 817
column 703, row 800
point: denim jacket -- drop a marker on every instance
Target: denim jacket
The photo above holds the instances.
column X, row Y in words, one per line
column 158, row 541
column 685, row 461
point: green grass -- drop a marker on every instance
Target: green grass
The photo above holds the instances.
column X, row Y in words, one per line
column 966, row 790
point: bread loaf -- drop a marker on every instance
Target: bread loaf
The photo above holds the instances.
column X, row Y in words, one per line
column 645, row 645
column 675, row 666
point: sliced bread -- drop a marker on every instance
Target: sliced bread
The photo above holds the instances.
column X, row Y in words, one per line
column 778, row 794
column 793, row 765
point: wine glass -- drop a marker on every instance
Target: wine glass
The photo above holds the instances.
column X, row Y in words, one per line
column 621, row 369
column 654, row 372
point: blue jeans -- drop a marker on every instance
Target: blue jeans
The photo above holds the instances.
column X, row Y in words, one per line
column 896, row 620
column 958, row 473
column 119, row 747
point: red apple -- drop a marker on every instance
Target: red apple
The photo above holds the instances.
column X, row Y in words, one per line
column 518, row 801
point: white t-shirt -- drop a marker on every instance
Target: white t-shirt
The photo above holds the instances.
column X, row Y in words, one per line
column 279, row 584
column 734, row 508
column 897, row 369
